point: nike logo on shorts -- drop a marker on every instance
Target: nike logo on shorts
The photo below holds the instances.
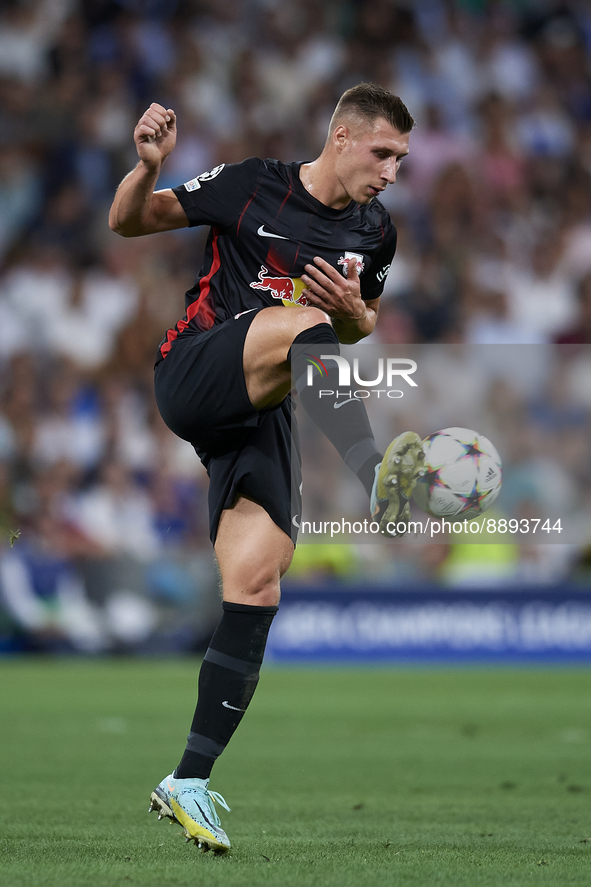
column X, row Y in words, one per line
column 262, row 233
column 236, row 316
column 233, row 707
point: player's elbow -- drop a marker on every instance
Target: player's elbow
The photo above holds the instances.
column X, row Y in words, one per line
column 125, row 230
column 114, row 223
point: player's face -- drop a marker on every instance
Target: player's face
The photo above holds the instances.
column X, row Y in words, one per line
column 368, row 159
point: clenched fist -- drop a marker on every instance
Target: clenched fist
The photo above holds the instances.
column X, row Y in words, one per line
column 155, row 134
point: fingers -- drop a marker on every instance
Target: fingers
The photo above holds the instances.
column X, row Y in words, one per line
column 326, row 270
column 352, row 273
column 321, row 294
column 156, row 121
column 328, row 278
column 323, row 278
column 316, row 286
column 319, row 301
column 327, row 288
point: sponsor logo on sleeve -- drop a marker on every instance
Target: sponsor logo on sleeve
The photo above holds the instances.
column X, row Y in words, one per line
column 195, row 184
column 381, row 275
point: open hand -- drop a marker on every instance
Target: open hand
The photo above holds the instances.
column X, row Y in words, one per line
column 339, row 296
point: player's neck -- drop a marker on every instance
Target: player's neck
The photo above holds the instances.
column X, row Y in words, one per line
column 319, row 179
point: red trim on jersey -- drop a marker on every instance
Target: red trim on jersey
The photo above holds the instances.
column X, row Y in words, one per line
column 170, row 337
column 277, row 262
column 201, row 305
column 206, row 313
column 246, row 205
column 287, row 196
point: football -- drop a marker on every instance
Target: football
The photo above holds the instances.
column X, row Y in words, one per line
column 462, row 477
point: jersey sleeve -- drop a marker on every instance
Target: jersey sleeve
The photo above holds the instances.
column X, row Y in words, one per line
column 372, row 283
column 218, row 197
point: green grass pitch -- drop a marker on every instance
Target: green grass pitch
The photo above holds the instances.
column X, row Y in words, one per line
column 348, row 777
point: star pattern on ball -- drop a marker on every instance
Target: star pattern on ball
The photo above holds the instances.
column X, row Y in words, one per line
column 473, row 449
column 474, row 500
column 431, row 477
column 462, row 474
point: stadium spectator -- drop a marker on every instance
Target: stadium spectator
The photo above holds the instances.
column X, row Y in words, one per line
column 580, row 332
column 493, row 205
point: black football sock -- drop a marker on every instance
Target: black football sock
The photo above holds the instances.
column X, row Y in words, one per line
column 227, row 681
column 342, row 418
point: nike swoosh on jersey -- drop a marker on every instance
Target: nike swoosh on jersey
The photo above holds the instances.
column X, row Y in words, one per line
column 337, row 406
column 262, row 233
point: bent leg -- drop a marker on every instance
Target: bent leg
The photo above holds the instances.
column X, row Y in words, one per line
column 267, row 369
column 276, row 353
column 253, row 554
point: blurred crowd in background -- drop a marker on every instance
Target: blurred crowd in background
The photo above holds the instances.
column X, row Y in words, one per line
column 103, row 519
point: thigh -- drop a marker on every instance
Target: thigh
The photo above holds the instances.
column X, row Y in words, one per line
column 253, row 553
column 264, row 467
column 267, row 371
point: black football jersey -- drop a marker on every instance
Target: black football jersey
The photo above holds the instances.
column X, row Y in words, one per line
column 265, row 227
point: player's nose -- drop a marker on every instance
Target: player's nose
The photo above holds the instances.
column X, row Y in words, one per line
column 389, row 171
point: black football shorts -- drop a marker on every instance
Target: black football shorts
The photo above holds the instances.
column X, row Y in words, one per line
column 201, row 394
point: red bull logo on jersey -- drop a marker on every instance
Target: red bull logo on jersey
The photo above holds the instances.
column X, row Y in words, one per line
column 288, row 289
column 351, row 257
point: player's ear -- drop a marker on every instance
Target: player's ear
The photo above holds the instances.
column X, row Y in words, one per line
column 340, row 136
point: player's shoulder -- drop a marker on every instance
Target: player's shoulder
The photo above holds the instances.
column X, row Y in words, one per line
column 269, row 164
column 249, row 168
column 376, row 212
column 257, row 168
column 222, row 174
column 250, row 163
column 280, row 170
column 277, row 166
column 376, row 218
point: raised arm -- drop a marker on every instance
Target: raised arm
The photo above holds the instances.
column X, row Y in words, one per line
column 138, row 209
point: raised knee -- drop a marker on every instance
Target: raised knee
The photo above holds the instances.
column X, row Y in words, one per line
column 308, row 316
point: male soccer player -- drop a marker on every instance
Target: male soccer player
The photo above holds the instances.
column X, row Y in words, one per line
column 295, row 263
